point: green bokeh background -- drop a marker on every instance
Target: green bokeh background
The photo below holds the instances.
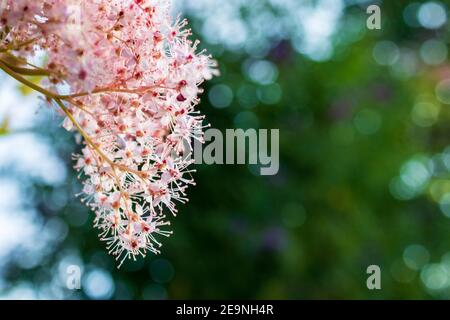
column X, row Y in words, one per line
column 363, row 180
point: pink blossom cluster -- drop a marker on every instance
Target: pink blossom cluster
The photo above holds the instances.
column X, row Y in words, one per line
column 130, row 77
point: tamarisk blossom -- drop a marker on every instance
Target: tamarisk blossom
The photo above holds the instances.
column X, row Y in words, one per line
column 130, row 77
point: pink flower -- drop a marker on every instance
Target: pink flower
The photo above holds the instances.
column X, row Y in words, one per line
column 133, row 78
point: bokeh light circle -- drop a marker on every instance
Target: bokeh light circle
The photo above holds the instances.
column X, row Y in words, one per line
column 433, row 52
column 98, row 284
column 443, row 91
column 432, row 15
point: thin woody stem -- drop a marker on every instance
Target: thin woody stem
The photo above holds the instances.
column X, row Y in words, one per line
column 27, row 71
column 92, row 144
column 86, row 137
column 26, row 82
column 58, row 99
column 140, row 90
column 16, row 73
column 18, row 46
column 50, row 95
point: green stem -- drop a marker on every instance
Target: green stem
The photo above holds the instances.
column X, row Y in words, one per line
column 27, row 71
column 26, row 82
column 82, row 132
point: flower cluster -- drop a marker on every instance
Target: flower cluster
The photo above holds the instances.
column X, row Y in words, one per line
column 126, row 77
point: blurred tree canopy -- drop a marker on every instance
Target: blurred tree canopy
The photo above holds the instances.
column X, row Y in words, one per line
column 364, row 166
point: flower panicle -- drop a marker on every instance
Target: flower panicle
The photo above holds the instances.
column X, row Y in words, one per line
column 133, row 77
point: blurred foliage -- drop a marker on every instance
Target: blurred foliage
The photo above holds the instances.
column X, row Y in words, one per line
column 4, row 127
column 364, row 168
